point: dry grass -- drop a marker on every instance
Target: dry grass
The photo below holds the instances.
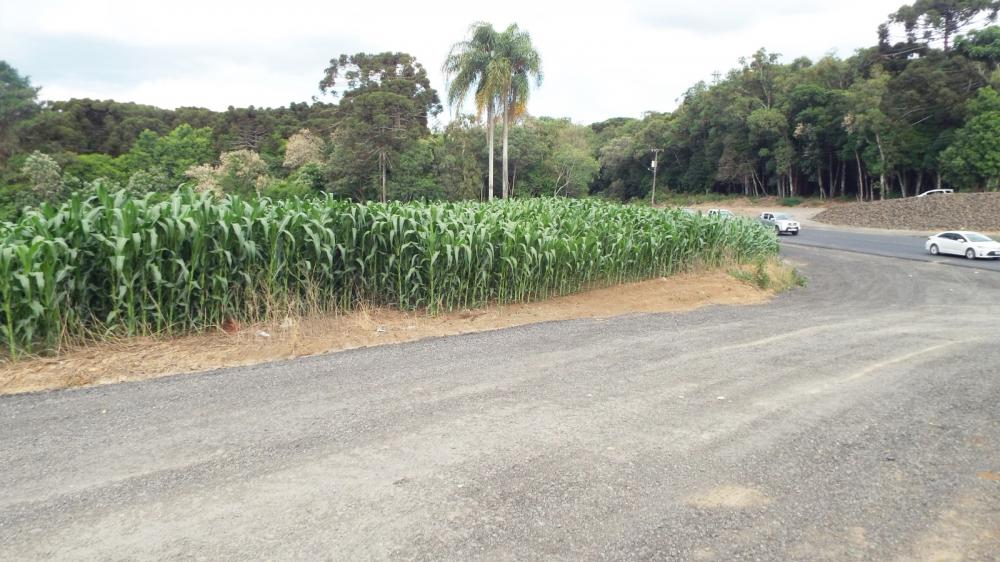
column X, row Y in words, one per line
column 773, row 274
column 143, row 358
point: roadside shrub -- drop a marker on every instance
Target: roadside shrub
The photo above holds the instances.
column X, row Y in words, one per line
column 149, row 181
column 44, row 176
column 304, row 147
column 791, row 201
column 770, row 273
column 287, row 188
column 760, row 276
column 241, row 172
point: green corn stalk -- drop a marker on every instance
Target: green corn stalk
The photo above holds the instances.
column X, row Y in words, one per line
column 116, row 264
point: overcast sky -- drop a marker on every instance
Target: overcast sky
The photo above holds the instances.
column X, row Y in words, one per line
column 600, row 59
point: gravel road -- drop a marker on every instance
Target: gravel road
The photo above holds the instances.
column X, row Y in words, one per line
column 857, row 418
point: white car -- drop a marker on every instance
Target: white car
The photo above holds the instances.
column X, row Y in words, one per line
column 936, row 192
column 781, row 223
column 963, row 243
column 723, row 213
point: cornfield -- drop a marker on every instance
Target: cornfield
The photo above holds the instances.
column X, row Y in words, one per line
column 115, row 265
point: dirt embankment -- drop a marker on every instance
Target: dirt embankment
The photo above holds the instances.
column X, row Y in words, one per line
column 144, row 358
column 958, row 211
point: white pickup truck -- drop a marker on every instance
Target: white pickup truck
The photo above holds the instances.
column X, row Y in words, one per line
column 782, row 223
column 721, row 213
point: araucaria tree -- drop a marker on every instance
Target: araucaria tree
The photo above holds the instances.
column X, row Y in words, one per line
column 942, row 19
column 384, row 107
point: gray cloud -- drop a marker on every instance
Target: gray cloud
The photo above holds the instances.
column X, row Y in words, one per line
column 601, row 60
column 81, row 58
column 113, row 65
column 719, row 16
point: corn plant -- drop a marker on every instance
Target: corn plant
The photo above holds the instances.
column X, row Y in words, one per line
column 111, row 264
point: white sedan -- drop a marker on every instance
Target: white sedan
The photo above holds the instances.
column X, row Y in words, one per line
column 936, row 192
column 963, row 243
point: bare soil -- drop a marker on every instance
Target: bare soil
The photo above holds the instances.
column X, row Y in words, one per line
column 144, row 358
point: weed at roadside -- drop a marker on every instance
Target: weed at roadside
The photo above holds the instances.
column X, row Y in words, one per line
column 769, row 274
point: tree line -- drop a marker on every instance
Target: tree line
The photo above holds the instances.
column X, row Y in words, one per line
column 918, row 109
column 894, row 119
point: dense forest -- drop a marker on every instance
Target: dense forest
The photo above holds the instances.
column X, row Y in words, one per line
column 919, row 109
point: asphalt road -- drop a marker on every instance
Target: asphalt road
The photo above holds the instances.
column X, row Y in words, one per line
column 906, row 246
column 857, row 418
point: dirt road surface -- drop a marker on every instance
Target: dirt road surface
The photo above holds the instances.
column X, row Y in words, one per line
column 858, row 418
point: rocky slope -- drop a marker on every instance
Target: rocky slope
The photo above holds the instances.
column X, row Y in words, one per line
column 958, row 211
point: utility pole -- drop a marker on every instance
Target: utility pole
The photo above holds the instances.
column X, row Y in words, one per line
column 652, row 194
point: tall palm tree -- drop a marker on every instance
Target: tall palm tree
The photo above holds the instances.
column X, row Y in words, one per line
column 515, row 65
column 467, row 70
